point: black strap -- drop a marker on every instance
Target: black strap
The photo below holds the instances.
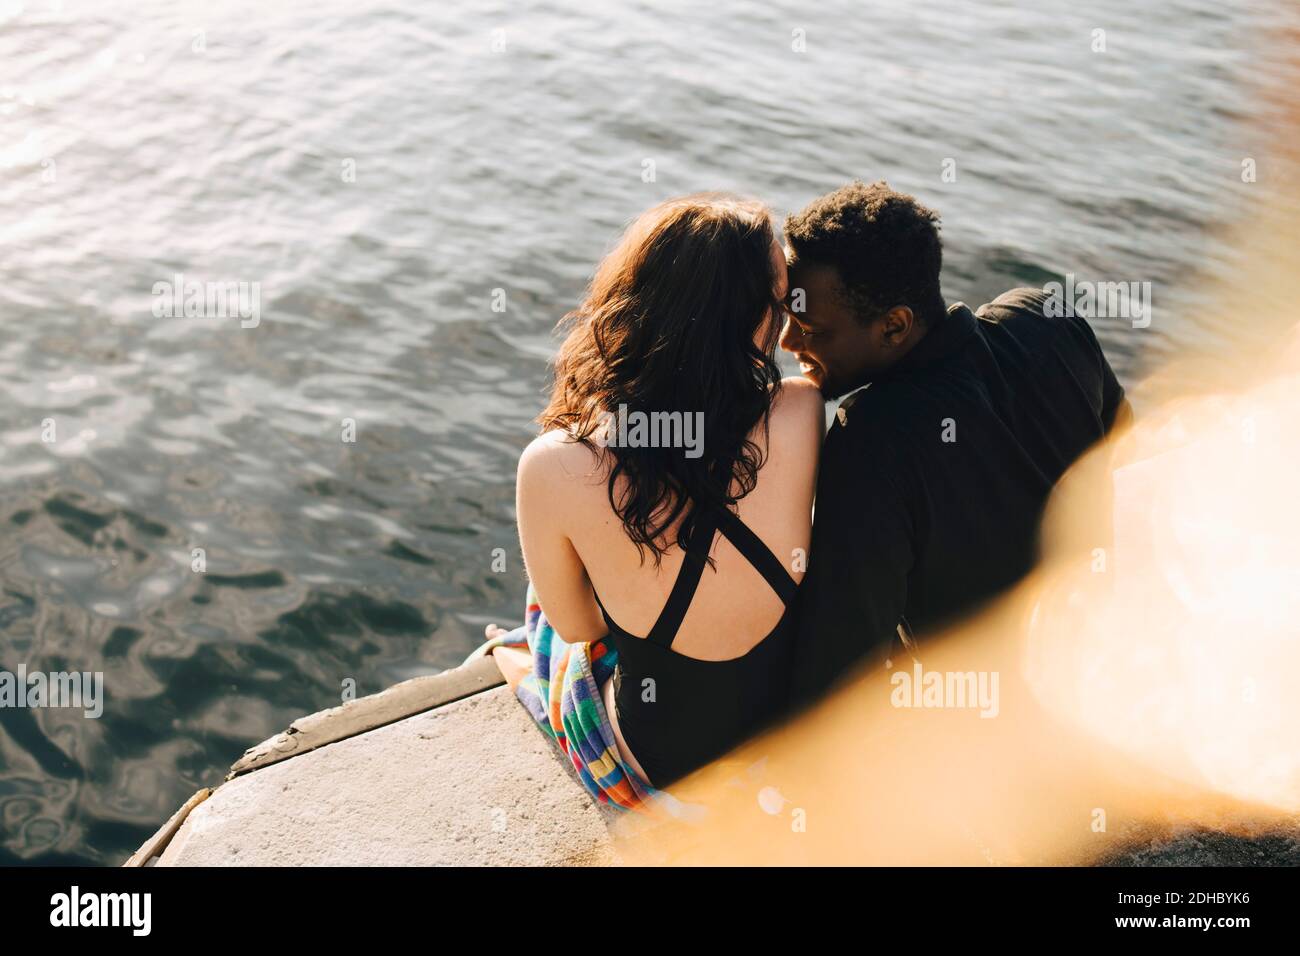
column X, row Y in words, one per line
column 758, row 554
column 688, row 579
column 609, row 621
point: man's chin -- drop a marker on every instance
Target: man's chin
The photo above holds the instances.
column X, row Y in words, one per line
column 829, row 387
column 832, row 387
column 817, row 375
column 813, row 373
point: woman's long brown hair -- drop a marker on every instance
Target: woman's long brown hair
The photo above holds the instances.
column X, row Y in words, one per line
column 670, row 324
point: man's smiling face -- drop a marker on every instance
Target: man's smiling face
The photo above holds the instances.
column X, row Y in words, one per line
column 837, row 351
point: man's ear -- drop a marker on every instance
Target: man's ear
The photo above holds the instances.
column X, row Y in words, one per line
column 898, row 324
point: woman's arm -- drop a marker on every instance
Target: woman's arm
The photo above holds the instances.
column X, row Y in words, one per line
column 543, row 489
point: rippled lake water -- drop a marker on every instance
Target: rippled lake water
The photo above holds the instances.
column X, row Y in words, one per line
column 379, row 169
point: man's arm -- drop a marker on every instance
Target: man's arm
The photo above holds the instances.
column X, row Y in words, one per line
column 853, row 595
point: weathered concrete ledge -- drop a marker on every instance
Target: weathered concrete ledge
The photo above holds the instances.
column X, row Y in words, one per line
column 447, row 769
column 153, row 847
column 450, row 770
column 366, row 713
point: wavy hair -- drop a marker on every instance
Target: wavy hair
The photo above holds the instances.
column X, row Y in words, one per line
column 681, row 316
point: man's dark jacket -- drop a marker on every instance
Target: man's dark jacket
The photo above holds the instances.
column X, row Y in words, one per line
column 934, row 478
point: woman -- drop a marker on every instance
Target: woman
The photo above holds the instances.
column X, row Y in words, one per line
column 618, row 531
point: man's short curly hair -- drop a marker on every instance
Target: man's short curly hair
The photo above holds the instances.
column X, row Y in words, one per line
column 884, row 244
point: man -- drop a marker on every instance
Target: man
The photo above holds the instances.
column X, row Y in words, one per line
column 936, row 471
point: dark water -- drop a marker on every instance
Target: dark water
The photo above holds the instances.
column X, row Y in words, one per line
column 132, row 148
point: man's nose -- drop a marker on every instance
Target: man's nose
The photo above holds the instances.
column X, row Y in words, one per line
column 791, row 340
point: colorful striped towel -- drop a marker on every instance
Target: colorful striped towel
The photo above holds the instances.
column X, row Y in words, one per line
column 563, row 695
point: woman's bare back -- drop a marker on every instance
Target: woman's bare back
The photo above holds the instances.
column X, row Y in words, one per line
column 734, row 608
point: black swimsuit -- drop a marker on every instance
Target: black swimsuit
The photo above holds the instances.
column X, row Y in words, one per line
column 678, row 713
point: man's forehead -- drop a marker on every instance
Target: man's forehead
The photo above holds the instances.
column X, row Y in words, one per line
column 807, row 274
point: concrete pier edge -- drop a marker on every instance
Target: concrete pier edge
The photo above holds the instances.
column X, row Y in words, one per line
column 449, row 769
column 351, row 719
column 368, row 713
column 154, row 846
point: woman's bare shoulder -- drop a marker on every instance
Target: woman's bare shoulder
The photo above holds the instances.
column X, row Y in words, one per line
column 555, row 458
column 798, row 404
